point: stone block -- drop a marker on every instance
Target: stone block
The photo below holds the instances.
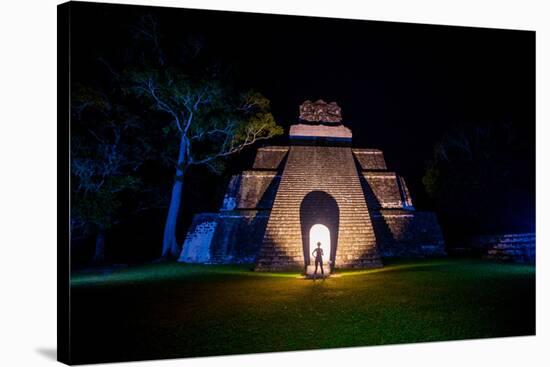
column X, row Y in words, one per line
column 402, row 233
column 270, row 158
column 512, row 247
column 370, row 159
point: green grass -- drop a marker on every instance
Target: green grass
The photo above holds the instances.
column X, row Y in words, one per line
column 175, row 310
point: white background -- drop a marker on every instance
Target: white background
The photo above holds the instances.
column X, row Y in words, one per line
column 28, row 183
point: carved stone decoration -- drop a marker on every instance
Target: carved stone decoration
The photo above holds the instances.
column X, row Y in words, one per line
column 320, row 111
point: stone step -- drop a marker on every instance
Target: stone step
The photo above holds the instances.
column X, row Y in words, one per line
column 310, row 271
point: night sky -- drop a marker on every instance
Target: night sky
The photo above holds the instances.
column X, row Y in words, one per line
column 400, row 86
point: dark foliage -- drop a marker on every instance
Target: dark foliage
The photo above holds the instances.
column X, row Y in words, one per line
column 480, row 180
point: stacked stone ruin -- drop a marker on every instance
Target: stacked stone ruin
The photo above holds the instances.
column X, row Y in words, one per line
column 512, row 247
column 319, row 178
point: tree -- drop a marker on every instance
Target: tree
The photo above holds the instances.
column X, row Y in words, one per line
column 478, row 178
column 208, row 122
column 104, row 163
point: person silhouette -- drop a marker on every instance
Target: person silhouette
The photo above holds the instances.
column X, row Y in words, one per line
column 318, row 255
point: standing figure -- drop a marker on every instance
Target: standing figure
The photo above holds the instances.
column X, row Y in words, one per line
column 318, row 255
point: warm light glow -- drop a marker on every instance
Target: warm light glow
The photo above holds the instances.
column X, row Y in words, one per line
column 319, row 233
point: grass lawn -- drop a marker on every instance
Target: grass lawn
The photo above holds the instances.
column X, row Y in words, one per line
column 175, row 310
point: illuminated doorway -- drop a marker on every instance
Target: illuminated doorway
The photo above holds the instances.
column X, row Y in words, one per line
column 319, row 233
column 319, row 219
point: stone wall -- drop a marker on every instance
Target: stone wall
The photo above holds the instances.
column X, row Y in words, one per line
column 198, row 242
column 404, row 233
column 405, row 194
column 319, row 131
column 370, row 159
column 251, row 190
column 229, row 237
column 382, row 190
column 270, row 157
column 238, row 236
column 520, row 247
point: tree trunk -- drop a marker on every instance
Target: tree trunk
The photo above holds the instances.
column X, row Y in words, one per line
column 170, row 247
column 99, row 254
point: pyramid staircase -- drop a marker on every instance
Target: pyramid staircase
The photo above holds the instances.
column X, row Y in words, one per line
column 331, row 170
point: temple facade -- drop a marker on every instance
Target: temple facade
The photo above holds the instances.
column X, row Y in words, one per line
column 317, row 191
